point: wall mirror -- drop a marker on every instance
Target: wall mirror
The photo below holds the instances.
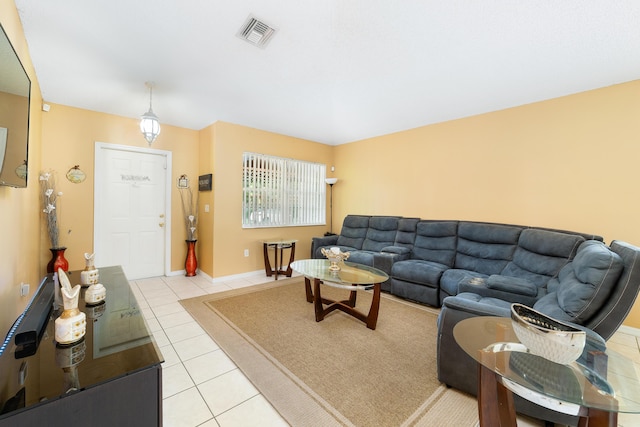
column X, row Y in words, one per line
column 15, row 91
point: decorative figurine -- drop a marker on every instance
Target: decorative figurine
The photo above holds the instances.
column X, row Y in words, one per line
column 72, row 323
column 334, row 255
column 95, row 294
column 90, row 274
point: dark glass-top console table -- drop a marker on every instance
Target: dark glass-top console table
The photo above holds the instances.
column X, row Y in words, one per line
column 112, row 377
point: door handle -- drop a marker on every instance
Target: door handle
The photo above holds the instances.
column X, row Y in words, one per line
column 161, row 224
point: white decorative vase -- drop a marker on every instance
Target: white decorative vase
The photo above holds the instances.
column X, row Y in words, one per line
column 90, row 275
column 72, row 323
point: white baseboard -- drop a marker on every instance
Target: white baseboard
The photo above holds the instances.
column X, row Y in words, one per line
column 238, row 276
column 629, row 330
column 177, row 273
column 257, row 273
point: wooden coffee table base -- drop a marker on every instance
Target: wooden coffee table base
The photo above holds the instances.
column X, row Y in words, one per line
column 347, row 306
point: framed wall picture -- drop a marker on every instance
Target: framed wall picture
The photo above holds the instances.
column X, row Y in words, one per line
column 204, row 182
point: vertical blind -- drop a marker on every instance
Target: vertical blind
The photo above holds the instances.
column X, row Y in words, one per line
column 279, row 192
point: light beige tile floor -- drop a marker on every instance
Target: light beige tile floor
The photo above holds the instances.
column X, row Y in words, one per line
column 203, row 387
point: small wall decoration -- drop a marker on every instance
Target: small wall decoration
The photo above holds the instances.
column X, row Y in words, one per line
column 183, row 181
column 204, row 182
column 75, row 175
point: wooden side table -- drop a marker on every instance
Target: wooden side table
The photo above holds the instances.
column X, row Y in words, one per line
column 279, row 246
column 595, row 392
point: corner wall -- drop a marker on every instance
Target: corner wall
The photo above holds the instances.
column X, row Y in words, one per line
column 229, row 239
column 569, row 163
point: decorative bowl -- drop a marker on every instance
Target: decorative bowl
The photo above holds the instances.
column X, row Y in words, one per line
column 334, row 255
column 546, row 337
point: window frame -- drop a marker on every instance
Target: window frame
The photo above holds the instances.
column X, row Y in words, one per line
column 282, row 192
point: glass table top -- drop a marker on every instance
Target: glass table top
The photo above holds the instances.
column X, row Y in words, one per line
column 279, row 242
column 600, row 379
column 349, row 274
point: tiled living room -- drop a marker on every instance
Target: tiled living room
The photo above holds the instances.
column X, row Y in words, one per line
column 203, row 387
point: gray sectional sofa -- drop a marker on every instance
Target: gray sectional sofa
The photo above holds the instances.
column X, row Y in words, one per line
column 429, row 260
column 479, row 269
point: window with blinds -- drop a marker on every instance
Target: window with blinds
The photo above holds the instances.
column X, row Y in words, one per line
column 279, row 192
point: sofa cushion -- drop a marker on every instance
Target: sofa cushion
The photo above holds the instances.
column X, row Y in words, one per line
column 451, row 279
column 583, row 285
column 541, row 254
column 354, row 231
column 485, row 248
column 436, row 241
column 418, row 271
column 406, row 234
column 381, row 233
column 362, row 257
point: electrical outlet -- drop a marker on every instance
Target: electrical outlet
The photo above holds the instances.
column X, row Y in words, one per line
column 206, row 208
column 24, row 289
column 246, row 252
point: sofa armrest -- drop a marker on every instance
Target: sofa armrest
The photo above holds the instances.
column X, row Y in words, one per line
column 472, row 307
column 388, row 255
column 512, row 285
column 511, row 289
column 384, row 260
column 398, row 250
column 318, row 242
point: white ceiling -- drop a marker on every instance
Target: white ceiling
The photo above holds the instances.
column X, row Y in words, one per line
column 336, row 71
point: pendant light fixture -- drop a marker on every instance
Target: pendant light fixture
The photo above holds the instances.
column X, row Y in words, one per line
column 149, row 123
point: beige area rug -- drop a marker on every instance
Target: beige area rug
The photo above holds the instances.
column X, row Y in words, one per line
column 337, row 371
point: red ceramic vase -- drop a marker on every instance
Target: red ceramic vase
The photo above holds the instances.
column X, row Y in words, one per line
column 57, row 261
column 191, row 263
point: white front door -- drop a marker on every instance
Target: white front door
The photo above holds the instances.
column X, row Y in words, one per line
column 131, row 224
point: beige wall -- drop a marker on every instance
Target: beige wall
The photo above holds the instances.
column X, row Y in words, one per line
column 19, row 207
column 568, row 163
column 204, row 247
column 229, row 141
column 69, row 137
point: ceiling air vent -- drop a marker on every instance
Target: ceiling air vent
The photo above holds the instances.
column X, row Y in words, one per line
column 256, row 32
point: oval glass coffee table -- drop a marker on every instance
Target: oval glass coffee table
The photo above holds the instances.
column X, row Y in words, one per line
column 595, row 388
column 351, row 276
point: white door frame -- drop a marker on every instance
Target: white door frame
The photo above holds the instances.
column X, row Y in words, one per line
column 99, row 173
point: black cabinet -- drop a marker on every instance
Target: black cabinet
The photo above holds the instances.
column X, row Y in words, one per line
column 112, row 377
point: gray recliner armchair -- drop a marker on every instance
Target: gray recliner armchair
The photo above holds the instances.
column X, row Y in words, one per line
column 596, row 291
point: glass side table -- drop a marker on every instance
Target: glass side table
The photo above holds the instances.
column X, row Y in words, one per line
column 278, row 246
column 352, row 277
column 603, row 384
